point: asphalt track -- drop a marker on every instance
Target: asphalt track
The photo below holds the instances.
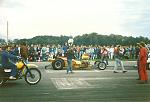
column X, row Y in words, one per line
column 81, row 86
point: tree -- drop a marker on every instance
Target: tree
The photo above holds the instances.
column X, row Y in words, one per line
column 87, row 39
column 2, row 41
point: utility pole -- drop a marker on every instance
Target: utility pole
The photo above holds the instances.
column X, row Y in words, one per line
column 7, row 33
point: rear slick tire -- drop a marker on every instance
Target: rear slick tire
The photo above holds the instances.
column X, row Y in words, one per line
column 58, row 64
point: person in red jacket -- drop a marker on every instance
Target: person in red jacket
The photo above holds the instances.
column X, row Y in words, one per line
column 142, row 64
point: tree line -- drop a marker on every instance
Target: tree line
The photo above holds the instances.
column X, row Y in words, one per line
column 85, row 39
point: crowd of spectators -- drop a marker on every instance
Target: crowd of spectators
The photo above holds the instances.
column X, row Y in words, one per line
column 45, row 52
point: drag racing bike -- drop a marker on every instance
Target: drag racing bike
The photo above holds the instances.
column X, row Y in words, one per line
column 30, row 72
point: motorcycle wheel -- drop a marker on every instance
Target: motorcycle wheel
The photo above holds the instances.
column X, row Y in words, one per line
column 34, row 78
column 102, row 66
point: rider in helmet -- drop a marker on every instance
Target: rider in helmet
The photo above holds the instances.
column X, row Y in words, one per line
column 6, row 58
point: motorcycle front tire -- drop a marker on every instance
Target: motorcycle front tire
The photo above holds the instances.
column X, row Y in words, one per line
column 34, row 78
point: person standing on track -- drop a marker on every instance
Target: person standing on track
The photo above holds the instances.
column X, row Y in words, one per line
column 118, row 56
column 142, row 64
column 70, row 56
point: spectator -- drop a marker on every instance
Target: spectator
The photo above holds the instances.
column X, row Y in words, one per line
column 43, row 51
column 31, row 53
column 137, row 50
column 111, row 52
column 65, row 47
column 24, row 52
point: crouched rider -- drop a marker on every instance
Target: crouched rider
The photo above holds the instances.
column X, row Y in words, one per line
column 6, row 58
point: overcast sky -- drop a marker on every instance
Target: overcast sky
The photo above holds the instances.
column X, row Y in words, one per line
column 29, row 18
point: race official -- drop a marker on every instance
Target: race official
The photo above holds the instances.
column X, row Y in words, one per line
column 142, row 64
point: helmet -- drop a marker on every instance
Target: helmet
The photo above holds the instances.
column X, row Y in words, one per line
column 19, row 65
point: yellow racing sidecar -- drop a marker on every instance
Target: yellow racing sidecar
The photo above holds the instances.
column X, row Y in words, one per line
column 59, row 63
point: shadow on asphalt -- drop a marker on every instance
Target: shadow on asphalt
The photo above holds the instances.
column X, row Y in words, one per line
column 9, row 84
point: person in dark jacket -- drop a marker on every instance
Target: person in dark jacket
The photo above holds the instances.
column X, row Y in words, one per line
column 70, row 56
column 6, row 58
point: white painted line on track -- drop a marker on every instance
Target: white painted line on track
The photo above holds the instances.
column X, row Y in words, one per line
column 84, row 71
column 70, row 83
column 77, row 83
